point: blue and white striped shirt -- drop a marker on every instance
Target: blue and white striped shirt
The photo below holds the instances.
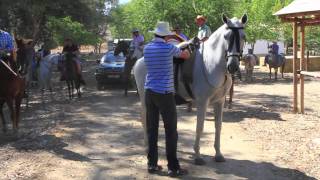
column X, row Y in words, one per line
column 158, row 57
column 6, row 41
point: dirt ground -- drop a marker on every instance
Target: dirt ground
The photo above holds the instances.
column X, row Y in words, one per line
column 100, row 137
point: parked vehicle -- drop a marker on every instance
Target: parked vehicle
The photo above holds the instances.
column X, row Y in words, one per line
column 110, row 69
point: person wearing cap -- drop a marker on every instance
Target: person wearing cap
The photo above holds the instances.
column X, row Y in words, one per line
column 178, row 32
column 6, row 46
column 275, row 48
column 159, row 98
column 204, row 31
column 137, row 40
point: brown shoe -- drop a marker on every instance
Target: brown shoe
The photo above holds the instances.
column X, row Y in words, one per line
column 176, row 173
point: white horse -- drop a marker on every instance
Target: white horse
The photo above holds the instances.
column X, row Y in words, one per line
column 45, row 71
column 212, row 79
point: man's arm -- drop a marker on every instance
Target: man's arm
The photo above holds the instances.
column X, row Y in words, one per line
column 183, row 54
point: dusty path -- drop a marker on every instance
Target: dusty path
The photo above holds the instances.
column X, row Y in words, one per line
column 100, row 137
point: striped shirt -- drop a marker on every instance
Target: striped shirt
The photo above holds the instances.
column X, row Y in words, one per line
column 6, row 42
column 158, row 57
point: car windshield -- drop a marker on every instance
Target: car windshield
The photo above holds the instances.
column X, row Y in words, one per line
column 109, row 57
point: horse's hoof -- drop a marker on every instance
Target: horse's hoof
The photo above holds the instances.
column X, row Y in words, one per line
column 219, row 158
column 199, row 162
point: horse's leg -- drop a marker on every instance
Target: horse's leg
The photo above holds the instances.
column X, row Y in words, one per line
column 275, row 73
column 231, row 94
column 270, row 73
column 201, row 114
column 282, row 69
column 17, row 108
column 218, row 123
column 251, row 74
column 4, row 125
column 13, row 114
column 78, row 88
column 69, row 88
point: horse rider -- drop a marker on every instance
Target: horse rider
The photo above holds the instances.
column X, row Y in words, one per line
column 204, row 31
column 40, row 54
column 275, row 47
column 6, row 48
column 159, row 98
column 177, row 30
column 72, row 48
column 137, row 41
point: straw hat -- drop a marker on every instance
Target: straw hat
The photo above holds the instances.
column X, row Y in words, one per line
column 162, row 29
column 201, row 17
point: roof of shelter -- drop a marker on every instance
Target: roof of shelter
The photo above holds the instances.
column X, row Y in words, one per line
column 304, row 11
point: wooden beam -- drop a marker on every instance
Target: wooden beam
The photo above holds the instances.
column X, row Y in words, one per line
column 300, row 14
column 302, row 19
column 312, row 74
column 294, row 68
column 302, row 67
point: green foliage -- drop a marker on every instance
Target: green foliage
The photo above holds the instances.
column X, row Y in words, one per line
column 30, row 19
column 144, row 14
column 66, row 28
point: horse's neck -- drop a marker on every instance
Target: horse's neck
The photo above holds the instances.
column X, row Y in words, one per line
column 215, row 47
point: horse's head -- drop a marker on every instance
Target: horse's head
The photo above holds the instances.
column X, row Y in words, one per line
column 122, row 46
column 235, row 38
column 25, row 54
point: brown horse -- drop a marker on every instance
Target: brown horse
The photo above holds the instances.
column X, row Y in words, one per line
column 71, row 75
column 124, row 47
column 25, row 56
column 11, row 92
column 275, row 61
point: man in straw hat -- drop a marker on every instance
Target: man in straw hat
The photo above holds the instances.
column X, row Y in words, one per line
column 204, row 30
column 159, row 98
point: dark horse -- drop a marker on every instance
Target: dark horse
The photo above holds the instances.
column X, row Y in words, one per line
column 71, row 75
column 11, row 92
column 275, row 61
column 25, row 56
column 124, row 47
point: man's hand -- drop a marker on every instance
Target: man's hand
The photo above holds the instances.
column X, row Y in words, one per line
column 185, row 54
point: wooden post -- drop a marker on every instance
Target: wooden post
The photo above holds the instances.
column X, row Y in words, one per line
column 302, row 68
column 294, row 68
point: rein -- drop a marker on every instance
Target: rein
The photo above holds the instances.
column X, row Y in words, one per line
column 5, row 64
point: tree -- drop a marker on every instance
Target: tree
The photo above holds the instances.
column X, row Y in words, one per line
column 144, row 14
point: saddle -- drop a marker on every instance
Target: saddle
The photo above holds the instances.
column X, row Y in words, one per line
column 183, row 73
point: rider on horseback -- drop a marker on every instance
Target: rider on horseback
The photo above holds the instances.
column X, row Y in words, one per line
column 72, row 48
column 204, row 30
column 6, row 47
column 137, row 42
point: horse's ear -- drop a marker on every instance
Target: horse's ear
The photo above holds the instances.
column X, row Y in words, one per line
column 225, row 19
column 244, row 18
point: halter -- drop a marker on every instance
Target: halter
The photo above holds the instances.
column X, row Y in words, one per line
column 234, row 39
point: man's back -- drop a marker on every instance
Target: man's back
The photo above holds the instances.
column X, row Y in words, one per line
column 158, row 56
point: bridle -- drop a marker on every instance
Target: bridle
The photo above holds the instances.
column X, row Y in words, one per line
column 234, row 40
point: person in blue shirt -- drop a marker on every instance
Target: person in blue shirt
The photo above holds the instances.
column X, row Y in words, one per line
column 275, row 48
column 6, row 47
column 159, row 98
column 178, row 32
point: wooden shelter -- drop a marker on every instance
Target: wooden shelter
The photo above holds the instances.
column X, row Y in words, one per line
column 300, row 13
